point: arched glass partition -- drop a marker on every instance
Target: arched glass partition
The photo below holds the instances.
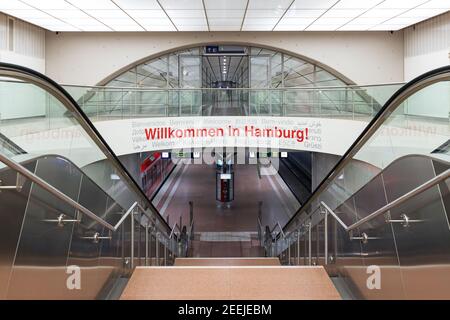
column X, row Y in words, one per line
column 248, row 81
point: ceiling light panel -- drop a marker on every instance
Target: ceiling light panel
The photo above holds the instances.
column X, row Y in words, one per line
column 382, row 13
column 224, row 22
column 312, row 4
column 305, row 13
column 224, row 27
column 93, row 4
column 297, row 27
column 142, row 14
column 186, row 13
column 181, row 4
column 324, row 27
column 28, row 14
column 423, row 13
column 67, row 14
column 264, row 13
column 160, row 22
column 159, row 28
column 189, row 21
column 367, row 21
column 82, row 22
column 400, row 4
column 388, row 27
column 261, row 21
column 331, row 21
column 138, row 4
column 225, row 14
column 436, row 4
column 355, row 27
column 49, row 4
column 295, row 21
column 344, row 13
column 403, row 20
column 192, row 28
column 257, row 27
column 13, row 5
column 268, row 4
column 107, row 14
column 356, row 4
column 225, row 5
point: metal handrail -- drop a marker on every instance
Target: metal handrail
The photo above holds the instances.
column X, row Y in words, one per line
column 40, row 80
column 429, row 78
column 278, row 225
column 172, row 232
column 423, row 187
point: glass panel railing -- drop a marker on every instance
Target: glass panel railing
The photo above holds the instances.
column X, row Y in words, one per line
column 385, row 204
column 108, row 103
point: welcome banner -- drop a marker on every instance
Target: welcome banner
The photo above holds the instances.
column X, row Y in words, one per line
column 310, row 134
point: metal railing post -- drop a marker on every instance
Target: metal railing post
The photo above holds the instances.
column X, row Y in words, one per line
column 289, row 250
column 146, row 244
column 132, row 240
column 157, row 248
column 326, row 237
column 298, row 248
column 309, row 244
column 165, row 254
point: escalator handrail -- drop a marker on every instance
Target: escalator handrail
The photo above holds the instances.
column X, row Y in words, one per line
column 31, row 76
column 424, row 80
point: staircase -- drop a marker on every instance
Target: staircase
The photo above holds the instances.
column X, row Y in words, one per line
column 230, row 279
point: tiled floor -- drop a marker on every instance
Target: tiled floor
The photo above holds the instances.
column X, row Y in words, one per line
column 197, row 184
column 222, row 231
column 232, row 282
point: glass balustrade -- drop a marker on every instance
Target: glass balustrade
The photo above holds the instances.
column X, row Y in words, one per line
column 109, row 103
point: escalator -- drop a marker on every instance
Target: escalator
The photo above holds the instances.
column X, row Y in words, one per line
column 67, row 230
column 379, row 222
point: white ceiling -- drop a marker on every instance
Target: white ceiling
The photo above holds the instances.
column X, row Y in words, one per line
column 223, row 15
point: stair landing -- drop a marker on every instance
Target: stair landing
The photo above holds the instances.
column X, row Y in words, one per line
column 227, row 262
column 230, row 283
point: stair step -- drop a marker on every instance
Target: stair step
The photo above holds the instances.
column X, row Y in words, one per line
column 230, row 283
column 227, row 262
